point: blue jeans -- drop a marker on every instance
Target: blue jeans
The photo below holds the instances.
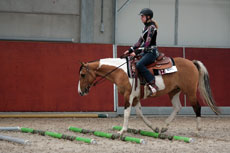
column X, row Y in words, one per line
column 147, row 58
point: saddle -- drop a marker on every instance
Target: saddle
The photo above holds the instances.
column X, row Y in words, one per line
column 162, row 62
column 163, row 65
column 157, row 68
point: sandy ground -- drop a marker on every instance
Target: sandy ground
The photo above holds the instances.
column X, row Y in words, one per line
column 214, row 137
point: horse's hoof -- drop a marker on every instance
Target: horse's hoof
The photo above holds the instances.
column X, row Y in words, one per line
column 162, row 136
column 121, row 132
column 157, row 130
column 115, row 136
column 170, row 137
column 163, row 130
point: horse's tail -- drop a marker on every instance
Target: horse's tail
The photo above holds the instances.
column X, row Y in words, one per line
column 204, row 87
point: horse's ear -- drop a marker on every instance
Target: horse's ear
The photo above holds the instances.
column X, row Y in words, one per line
column 82, row 63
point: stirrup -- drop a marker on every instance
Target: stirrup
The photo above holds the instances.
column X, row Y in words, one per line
column 152, row 89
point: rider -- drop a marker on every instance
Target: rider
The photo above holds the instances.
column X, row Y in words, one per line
column 150, row 52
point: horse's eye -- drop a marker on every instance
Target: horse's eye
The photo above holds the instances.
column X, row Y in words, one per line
column 83, row 75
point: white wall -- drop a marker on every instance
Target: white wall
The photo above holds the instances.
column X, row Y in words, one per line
column 56, row 19
column 41, row 6
column 129, row 25
column 108, row 20
column 45, row 19
column 200, row 22
column 204, row 22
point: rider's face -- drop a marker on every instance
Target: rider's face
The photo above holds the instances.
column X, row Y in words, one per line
column 143, row 18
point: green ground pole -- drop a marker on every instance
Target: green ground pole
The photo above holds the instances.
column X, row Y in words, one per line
column 57, row 135
column 155, row 135
column 106, row 135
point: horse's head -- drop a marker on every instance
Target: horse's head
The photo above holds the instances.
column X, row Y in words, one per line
column 86, row 78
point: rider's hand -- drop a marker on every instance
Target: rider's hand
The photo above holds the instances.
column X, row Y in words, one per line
column 133, row 54
column 126, row 52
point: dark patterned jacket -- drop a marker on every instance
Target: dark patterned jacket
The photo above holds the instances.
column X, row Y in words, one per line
column 147, row 39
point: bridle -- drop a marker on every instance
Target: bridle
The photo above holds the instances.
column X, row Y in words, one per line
column 102, row 79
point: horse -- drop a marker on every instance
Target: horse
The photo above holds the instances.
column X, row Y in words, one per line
column 191, row 76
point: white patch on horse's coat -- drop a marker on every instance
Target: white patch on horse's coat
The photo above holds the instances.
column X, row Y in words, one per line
column 176, row 101
column 198, row 123
column 126, row 118
column 116, row 62
column 160, row 82
column 135, row 91
column 176, row 107
column 79, row 87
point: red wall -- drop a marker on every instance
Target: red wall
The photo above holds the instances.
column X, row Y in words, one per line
column 42, row 76
column 217, row 63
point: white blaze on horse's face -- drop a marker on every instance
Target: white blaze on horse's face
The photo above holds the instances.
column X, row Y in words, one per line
column 79, row 87
column 86, row 79
column 83, row 87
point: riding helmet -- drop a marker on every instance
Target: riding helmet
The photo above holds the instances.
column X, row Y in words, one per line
column 146, row 12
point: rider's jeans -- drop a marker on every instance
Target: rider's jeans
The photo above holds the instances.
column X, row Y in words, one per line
column 147, row 58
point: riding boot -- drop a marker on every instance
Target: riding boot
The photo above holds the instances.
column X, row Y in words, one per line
column 153, row 87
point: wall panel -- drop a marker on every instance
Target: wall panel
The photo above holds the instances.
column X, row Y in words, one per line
column 37, row 76
column 217, row 63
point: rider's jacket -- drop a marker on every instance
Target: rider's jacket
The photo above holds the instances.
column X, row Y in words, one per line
column 147, row 39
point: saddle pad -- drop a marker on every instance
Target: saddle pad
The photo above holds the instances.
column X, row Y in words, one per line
column 164, row 71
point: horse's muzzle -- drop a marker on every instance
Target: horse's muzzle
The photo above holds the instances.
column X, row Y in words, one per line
column 85, row 91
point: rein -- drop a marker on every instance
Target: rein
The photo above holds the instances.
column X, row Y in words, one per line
column 103, row 77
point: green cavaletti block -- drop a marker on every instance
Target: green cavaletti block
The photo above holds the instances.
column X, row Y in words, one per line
column 131, row 139
column 185, row 139
column 27, row 130
column 87, row 140
column 53, row 134
column 75, row 129
column 118, row 128
column 150, row 134
column 103, row 134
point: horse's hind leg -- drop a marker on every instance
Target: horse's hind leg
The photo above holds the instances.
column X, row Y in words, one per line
column 197, row 109
column 140, row 114
column 175, row 99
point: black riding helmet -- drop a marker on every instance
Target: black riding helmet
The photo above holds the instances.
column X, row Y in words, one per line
column 146, row 12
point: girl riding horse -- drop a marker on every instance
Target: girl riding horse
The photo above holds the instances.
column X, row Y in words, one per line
column 148, row 41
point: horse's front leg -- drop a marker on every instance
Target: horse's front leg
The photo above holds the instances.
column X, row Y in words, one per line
column 128, row 105
column 140, row 114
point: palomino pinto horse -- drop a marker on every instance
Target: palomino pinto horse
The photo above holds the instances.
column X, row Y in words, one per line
column 191, row 76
